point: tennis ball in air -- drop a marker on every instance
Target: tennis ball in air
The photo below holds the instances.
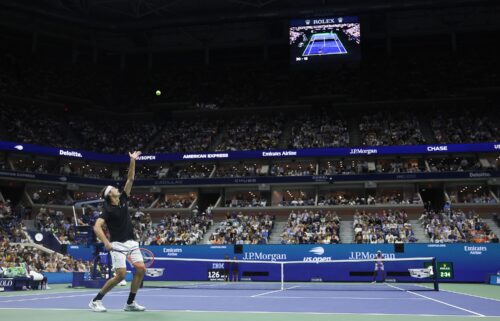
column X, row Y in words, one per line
column 158, row 93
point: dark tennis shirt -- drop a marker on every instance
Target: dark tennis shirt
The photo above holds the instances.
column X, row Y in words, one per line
column 118, row 220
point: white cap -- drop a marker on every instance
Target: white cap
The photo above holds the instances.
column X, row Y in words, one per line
column 107, row 190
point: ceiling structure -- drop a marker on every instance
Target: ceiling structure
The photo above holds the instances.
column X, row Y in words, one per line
column 157, row 25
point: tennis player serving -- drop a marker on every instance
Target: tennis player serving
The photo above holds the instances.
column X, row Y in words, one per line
column 115, row 215
column 379, row 266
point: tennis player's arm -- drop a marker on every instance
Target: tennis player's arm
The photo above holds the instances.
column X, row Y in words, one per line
column 99, row 232
column 131, row 172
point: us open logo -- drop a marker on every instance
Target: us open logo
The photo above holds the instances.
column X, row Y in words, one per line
column 317, row 250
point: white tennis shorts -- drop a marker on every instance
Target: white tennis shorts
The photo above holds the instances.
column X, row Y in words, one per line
column 119, row 259
column 379, row 267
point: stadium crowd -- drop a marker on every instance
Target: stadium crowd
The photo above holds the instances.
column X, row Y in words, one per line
column 234, row 170
column 113, row 137
column 317, row 130
column 238, row 228
column 252, row 132
column 390, row 128
column 353, row 199
column 187, row 136
column 241, row 170
column 251, row 200
column 11, row 226
column 475, row 197
column 171, row 229
column 465, row 126
column 456, row 226
column 294, row 169
column 23, row 259
column 174, row 202
column 386, row 226
column 308, row 227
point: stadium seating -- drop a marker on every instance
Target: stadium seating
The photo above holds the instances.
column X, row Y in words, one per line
column 243, row 229
column 386, row 226
column 309, row 227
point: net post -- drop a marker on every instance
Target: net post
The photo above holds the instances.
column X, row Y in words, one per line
column 74, row 215
column 282, row 266
column 435, row 276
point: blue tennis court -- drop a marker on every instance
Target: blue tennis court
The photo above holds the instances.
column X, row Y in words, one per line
column 324, row 44
column 386, row 300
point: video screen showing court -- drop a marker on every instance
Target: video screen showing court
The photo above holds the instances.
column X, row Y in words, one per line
column 325, row 40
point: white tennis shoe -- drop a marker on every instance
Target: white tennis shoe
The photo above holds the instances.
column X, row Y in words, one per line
column 97, row 306
column 134, row 307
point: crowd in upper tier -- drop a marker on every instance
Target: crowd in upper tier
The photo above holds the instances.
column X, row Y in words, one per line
column 236, row 124
column 313, row 129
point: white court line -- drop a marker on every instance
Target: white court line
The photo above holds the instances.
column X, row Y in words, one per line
column 270, row 297
column 63, row 296
column 436, row 300
column 312, row 45
column 343, row 50
column 48, row 298
column 337, row 44
column 257, row 295
column 271, row 312
column 463, row 293
column 41, row 292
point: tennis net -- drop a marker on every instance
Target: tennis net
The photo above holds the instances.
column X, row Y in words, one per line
column 394, row 274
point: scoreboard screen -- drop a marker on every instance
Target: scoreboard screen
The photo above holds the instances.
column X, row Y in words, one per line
column 444, row 269
column 324, row 40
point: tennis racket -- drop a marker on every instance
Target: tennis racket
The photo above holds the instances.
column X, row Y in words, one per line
column 147, row 256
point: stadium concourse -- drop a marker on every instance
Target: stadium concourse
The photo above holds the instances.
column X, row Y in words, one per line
column 274, row 160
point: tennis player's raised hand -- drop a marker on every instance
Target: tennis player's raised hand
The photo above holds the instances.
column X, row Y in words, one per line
column 135, row 154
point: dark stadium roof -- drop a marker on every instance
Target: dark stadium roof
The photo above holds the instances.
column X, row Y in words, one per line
column 116, row 14
column 162, row 25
